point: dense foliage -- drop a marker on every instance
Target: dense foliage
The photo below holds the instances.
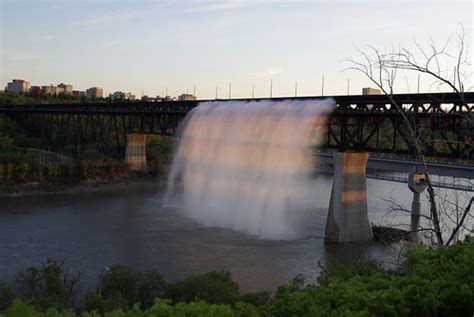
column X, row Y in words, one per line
column 14, row 98
column 24, row 159
column 434, row 282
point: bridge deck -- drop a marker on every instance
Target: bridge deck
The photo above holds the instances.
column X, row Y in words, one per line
column 406, row 165
column 443, row 122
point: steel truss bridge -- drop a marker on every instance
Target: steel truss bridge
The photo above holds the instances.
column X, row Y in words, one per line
column 443, row 123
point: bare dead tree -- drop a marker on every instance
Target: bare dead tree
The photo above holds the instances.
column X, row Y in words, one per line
column 457, row 208
column 71, row 280
column 430, row 63
column 381, row 69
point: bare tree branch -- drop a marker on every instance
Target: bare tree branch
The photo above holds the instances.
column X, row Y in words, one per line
column 386, row 66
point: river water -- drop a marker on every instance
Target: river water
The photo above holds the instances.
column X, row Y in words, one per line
column 130, row 227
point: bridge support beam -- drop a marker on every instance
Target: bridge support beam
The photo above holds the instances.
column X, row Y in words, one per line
column 135, row 154
column 347, row 217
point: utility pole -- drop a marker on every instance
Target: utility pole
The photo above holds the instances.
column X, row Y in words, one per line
column 418, row 89
column 194, row 91
column 322, row 87
column 348, row 85
column 454, row 75
column 253, row 91
column 296, row 89
column 230, row 89
column 216, row 92
column 166, row 92
column 271, row 88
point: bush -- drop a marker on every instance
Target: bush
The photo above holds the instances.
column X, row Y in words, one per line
column 213, row 287
column 161, row 308
column 159, row 144
column 257, row 299
column 48, row 285
column 151, row 286
column 121, row 287
column 6, row 296
column 27, row 142
column 6, row 143
column 8, row 127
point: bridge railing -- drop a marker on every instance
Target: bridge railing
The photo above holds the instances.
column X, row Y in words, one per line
column 420, row 103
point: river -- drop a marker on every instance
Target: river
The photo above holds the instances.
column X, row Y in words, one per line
column 130, row 227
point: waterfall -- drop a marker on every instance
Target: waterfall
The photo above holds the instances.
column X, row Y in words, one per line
column 247, row 165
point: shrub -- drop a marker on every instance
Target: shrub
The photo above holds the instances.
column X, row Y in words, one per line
column 120, row 287
column 261, row 298
column 213, row 287
column 48, row 286
column 6, row 296
column 151, row 286
column 161, row 308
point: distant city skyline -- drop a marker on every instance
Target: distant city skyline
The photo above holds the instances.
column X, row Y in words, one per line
column 157, row 46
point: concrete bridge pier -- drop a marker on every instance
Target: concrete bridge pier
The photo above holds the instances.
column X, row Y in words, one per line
column 347, row 217
column 135, row 154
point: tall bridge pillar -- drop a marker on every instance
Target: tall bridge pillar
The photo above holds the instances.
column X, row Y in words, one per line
column 135, row 154
column 347, row 217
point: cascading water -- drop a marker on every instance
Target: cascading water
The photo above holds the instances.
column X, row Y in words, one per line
column 247, row 165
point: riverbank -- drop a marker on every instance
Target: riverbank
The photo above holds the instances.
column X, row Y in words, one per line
column 129, row 181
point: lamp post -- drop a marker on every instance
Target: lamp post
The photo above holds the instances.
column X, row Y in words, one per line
column 106, row 269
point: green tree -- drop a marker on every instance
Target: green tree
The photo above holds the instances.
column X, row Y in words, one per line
column 213, row 287
column 48, row 285
column 120, row 287
column 6, row 296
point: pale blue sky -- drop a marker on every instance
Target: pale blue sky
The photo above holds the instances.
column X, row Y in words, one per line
column 153, row 45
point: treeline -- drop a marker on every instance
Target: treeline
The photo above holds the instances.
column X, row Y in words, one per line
column 434, row 282
column 23, row 159
column 14, row 98
column 70, row 171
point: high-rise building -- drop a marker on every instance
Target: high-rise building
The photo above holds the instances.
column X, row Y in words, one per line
column 371, row 91
column 78, row 94
column 120, row 95
column 117, row 95
column 186, row 97
column 18, row 85
column 129, row 96
column 52, row 90
column 49, row 90
column 67, row 88
column 94, row 92
column 149, row 99
column 35, row 90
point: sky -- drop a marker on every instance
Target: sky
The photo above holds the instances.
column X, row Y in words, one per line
column 150, row 47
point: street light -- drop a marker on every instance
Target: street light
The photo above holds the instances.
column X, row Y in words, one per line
column 106, row 269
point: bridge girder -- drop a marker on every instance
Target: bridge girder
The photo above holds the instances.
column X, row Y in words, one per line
column 443, row 123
